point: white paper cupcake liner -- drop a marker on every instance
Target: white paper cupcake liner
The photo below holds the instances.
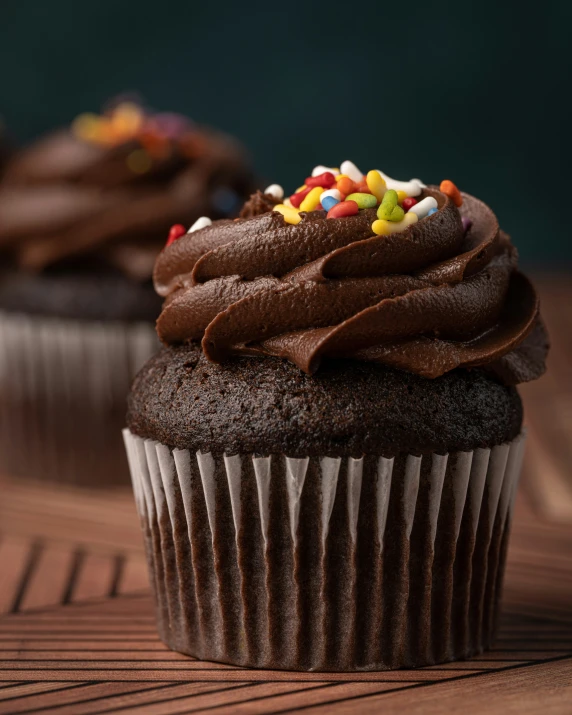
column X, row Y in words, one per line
column 63, row 390
column 323, row 563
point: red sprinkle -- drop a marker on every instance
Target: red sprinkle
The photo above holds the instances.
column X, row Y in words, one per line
column 325, row 180
column 408, row 202
column 175, row 233
column 344, row 208
column 296, row 199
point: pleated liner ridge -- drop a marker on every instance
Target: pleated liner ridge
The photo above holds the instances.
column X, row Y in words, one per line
column 63, row 385
column 322, row 563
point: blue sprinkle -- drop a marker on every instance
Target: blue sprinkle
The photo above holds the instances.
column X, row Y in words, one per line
column 431, row 211
column 329, row 202
column 225, row 200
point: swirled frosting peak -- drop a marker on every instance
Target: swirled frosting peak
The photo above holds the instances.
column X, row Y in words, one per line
column 309, row 282
column 102, row 193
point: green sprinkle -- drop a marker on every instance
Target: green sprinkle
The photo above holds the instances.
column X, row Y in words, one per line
column 389, row 208
column 364, row 201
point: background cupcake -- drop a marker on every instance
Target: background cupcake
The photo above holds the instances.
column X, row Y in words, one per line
column 326, row 454
column 83, row 214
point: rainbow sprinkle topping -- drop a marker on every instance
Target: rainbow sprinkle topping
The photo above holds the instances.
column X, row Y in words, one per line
column 156, row 133
column 344, row 191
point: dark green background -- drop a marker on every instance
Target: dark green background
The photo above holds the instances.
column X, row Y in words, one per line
column 474, row 92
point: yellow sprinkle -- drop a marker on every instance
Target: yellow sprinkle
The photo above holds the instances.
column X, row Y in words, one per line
column 401, row 195
column 300, row 188
column 126, row 119
column 291, row 215
column 85, row 126
column 139, row 161
column 383, row 228
column 376, row 184
column 312, row 199
column 288, row 203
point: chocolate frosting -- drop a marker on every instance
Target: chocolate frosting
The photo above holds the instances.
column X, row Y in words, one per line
column 428, row 300
column 67, row 200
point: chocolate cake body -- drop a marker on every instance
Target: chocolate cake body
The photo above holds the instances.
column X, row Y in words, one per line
column 349, row 408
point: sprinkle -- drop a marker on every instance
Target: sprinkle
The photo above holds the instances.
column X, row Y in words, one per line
column 275, row 190
column 139, row 161
column 288, row 203
column 126, row 120
column 350, row 169
column 311, row 201
column 334, row 193
column 449, row 188
column 297, row 198
column 364, row 201
column 400, row 196
column 346, row 186
column 389, row 210
column 408, row 203
column 328, row 202
column 431, row 212
column 422, row 208
column 344, row 208
column 225, row 200
column 317, row 170
column 201, row 222
column 325, row 180
column 376, row 184
column 383, row 228
column 467, row 223
column 85, row 126
column 291, row 215
column 175, row 233
column 411, row 188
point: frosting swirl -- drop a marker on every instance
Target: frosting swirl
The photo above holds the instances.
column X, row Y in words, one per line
column 69, row 198
column 427, row 300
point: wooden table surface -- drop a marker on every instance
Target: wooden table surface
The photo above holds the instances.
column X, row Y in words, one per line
column 77, row 631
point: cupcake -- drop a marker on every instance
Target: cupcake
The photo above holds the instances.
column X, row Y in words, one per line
column 326, row 451
column 83, row 214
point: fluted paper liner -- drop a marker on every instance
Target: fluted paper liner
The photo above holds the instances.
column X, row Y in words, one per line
column 322, row 563
column 63, row 390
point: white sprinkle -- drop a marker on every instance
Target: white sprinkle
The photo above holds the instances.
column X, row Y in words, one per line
column 201, row 222
column 317, row 170
column 350, row 169
column 411, row 188
column 334, row 193
column 275, row 190
column 423, row 207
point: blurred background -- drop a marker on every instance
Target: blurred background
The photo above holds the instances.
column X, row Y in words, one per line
column 474, row 92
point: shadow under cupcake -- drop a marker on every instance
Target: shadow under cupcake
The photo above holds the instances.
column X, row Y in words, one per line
column 83, row 214
column 325, row 455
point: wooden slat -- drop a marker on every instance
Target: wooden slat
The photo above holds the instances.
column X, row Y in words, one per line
column 541, row 688
column 15, row 554
column 47, row 584
column 77, row 695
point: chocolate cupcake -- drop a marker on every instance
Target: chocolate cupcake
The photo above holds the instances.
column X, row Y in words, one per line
column 326, row 451
column 83, row 214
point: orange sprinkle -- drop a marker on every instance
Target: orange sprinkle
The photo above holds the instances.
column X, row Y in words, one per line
column 346, row 186
column 449, row 188
column 362, row 187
